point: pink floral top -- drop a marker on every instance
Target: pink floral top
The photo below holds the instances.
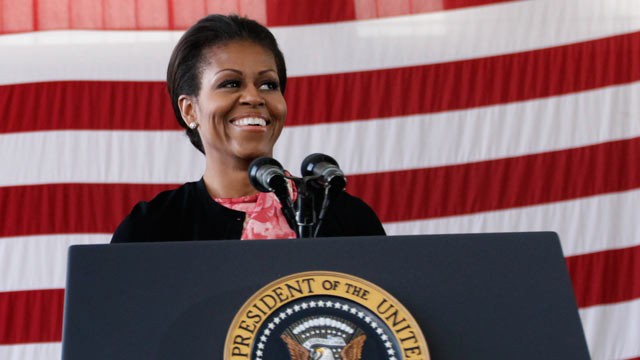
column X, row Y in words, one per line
column 264, row 220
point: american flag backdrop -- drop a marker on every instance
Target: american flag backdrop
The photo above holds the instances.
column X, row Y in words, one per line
column 448, row 116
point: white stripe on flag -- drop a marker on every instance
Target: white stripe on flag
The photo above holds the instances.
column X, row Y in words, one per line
column 43, row 260
column 479, row 134
column 612, row 330
column 99, row 157
column 364, row 45
column 41, row 351
column 585, row 225
column 453, row 35
column 455, row 137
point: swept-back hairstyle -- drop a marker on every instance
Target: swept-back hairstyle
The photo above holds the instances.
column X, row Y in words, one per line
column 186, row 63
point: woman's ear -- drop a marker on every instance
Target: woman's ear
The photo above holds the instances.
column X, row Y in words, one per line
column 187, row 107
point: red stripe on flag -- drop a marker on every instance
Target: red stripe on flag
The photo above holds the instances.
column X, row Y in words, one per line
column 395, row 196
column 465, row 84
column 367, row 9
column 419, row 5
column 86, row 105
column 295, row 12
column 358, row 95
column 31, row 316
column 605, row 277
column 502, row 183
column 17, row 17
column 602, row 277
column 39, row 15
column 70, row 208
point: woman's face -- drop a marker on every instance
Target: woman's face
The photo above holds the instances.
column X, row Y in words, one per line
column 240, row 109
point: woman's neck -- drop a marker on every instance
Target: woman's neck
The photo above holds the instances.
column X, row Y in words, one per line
column 228, row 181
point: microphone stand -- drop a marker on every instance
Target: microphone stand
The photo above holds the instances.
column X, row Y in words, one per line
column 306, row 217
column 267, row 175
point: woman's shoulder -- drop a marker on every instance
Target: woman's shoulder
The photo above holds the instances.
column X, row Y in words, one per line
column 168, row 200
column 351, row 216
column 157, row 216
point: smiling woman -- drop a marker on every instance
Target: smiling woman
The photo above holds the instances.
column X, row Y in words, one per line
column 226, row 79
column 239, row 113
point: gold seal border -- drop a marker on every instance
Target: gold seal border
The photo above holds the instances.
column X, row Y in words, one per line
column 243, row 332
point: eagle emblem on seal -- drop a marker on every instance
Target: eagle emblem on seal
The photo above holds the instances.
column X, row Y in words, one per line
column 324, row 338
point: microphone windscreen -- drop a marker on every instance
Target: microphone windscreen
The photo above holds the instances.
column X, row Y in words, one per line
column 259, row 168
column 310, row 162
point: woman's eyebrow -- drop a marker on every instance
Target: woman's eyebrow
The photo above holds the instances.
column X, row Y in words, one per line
column 232, row 70
column 266, row 71
column 240, row 72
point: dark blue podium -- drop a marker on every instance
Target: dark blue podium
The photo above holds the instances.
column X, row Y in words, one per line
column 475, row 296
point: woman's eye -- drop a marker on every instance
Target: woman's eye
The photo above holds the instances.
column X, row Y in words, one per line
column 270, row 85
column 230, row 84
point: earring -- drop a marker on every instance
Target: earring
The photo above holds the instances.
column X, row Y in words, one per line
column 193, row 125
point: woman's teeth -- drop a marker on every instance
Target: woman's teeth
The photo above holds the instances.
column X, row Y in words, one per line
column 250, row 121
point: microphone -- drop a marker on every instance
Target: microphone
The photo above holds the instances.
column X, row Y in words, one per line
column 267, row 175
column 326, row 169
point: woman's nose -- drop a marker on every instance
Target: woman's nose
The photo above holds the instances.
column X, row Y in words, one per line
column 251, row 96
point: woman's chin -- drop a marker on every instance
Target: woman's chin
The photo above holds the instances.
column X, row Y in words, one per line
column 250, row 155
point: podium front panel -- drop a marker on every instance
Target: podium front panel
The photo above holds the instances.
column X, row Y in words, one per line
column 475, row 296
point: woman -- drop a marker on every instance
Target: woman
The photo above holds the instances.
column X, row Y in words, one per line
column 226, row 79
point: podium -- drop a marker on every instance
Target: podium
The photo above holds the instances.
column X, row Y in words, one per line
column 475, row 296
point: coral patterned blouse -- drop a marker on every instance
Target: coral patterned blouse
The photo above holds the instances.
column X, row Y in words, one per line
column 264, row 220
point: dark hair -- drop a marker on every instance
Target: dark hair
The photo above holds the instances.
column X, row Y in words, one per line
column 185, row 65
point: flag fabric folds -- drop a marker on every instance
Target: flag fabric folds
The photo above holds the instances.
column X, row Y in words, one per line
column 448, row 116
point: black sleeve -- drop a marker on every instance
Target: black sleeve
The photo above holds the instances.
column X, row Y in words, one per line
column 156, row 220
column 128, row 230
column 350, row 216
column 123, row 232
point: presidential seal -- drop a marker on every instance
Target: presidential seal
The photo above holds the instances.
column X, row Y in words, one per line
column 321, row 315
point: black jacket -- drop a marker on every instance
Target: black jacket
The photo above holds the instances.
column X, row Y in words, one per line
column 189, row 213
